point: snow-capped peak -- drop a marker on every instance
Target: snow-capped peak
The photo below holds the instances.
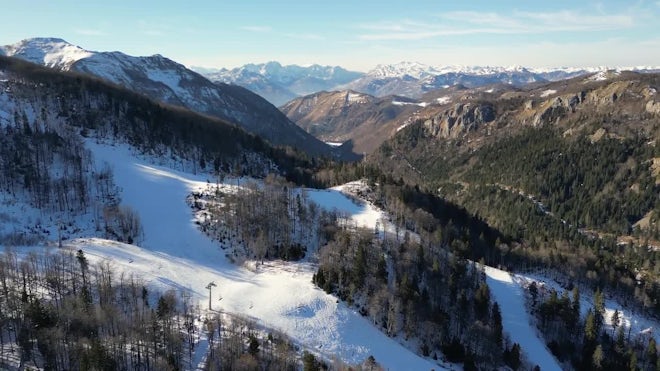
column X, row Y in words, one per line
column 413, row 69
column 51, row 52
column 421, row 71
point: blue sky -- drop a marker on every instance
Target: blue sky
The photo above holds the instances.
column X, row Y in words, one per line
column 355, row 34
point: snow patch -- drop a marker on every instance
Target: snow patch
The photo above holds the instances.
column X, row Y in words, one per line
column 547, row 93
column 356, row 98
column 402, row 127
column 443, row 100
column 604, row 75
column 399, row 103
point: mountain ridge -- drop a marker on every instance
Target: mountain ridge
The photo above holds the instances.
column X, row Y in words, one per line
column 410, row 79
column 170, row 82
column 278, row 83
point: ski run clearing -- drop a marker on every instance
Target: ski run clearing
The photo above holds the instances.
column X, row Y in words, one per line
column 278, row 295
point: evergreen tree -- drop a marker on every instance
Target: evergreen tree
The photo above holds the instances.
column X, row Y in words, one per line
column 652, row 351
column 598, row 357
column 497, row 324
column 632, row 365
column 616, row 320
column 576, row 306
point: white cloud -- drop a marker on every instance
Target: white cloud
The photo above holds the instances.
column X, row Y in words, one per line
column 569, row 20
column 518, row 22
column 89, row 32
column 303, row 36
column 256, row 28
column 153, row 28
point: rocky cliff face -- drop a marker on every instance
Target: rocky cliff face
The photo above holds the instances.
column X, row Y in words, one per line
column 479, row 115
column 460, row 119
column 347, row 115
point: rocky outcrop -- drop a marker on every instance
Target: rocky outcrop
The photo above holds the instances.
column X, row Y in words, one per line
column 653, row 107
column 558, row 107
column 460, row 119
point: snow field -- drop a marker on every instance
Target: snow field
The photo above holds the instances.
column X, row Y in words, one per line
column 516, row 319
column 279, row 295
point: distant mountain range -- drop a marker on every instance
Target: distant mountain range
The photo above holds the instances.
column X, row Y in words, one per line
column 172, row 83
column 280, row 84
column 367, row 120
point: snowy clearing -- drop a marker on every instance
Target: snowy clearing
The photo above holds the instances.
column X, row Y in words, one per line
column 636, row 323
column 547, row 93
column 516, row 319
column 279, row 295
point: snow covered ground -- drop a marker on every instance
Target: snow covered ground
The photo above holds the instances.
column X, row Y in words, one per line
column 547, row 93
column 364, row 214
column 636, row 323
column 516, row 320
column 279, row 294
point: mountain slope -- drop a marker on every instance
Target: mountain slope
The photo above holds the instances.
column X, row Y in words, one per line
column 165, row 80
column 346, row 115
column 279, row 84
column 414, row 79
column 51, row 98
column 570, row 166
column 123, row 134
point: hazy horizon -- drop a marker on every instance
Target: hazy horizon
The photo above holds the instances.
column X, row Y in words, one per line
column 354, row 35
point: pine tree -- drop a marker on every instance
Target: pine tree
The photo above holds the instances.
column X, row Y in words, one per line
column 590, row 327
column 616, row 320
column 598, row 357
column 599, row 309
column 576, row 306
column 652, row 351
column 497, row 324
column 632, row 365
column 514, row 356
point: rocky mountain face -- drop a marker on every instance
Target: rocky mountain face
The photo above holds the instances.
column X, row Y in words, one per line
column 172, row 83
column 368, row 121
column 459, row 119
column 279, row 84
column 457, row 112
column 581, row 147
column 343, row 116
column 599, row 100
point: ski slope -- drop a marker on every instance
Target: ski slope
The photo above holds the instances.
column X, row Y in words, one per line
column 279, row 295
column 515, row 319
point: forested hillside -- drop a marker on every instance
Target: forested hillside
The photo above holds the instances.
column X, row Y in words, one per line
column 572, row 180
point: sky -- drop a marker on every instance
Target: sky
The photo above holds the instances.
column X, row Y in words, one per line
column 356, row 34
